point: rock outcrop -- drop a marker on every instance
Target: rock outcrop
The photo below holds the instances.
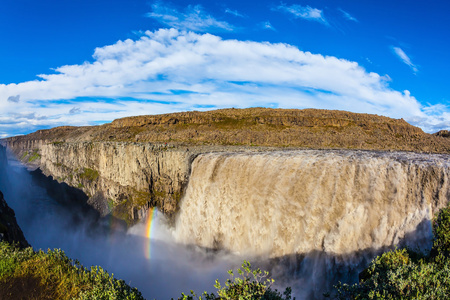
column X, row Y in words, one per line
column 443, row 133
column 9, row 229
column 135, row 163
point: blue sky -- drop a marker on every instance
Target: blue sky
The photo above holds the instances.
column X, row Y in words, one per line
column 87, row 62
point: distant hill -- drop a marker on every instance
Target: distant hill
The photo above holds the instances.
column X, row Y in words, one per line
column 308, row 128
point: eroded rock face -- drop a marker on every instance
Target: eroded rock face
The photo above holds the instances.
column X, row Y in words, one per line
column 124, row 179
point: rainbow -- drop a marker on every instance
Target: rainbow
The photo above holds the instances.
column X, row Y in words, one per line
column 151, row 216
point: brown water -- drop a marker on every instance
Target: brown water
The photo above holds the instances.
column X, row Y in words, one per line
column 338, row 202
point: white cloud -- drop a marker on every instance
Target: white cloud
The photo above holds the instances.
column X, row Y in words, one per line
column 303, row 12
column 348, row 16
column 193, row 18
column 405, row 58
column 170, row 70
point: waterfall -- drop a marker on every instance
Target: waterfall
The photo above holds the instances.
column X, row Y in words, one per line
column 274, row 204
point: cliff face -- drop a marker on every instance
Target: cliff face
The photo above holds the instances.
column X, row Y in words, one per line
column 120, row 178
column 135, row 163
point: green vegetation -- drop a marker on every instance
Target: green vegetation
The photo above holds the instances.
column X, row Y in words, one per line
column 397, row 274
column 89, row 174
column 35, row 155
column 25, row 274
column 139, row 199
column 250, row 284
column 406, row 274
column 25, row 154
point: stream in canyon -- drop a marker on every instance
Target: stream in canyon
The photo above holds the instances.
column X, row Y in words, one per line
column 310, row 217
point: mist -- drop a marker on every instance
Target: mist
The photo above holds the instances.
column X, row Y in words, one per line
column 50, row 223
column 358, row 203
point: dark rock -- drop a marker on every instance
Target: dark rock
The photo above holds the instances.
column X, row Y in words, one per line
column 9, row 229
column 443, row 133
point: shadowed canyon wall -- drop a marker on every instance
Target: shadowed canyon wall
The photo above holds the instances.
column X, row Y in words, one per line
column 120, row 178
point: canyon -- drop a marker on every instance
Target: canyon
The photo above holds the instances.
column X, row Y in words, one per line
column 317, row 192
column 127, row 166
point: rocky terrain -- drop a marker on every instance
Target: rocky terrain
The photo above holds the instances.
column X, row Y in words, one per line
column 135, row 163
column 309, row 128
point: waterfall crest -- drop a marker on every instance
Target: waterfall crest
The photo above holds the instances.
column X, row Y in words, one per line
column 294, row 202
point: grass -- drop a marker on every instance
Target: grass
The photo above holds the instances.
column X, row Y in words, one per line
column 89, row 174
column 26, row 274
column 34, row 156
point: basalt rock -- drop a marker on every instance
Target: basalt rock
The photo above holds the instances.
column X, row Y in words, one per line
column 9, row 229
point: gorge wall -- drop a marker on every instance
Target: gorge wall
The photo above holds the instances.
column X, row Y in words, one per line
column 124, row 179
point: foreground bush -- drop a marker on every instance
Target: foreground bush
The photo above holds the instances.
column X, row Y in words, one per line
column 249, row 285
column 405, row 274
column 25, row 274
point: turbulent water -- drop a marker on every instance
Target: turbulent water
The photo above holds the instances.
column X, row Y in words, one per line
column 326, row 212
column 310, row 217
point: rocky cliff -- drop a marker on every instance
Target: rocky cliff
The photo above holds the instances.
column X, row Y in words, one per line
column 134, row 163
column 9, row 229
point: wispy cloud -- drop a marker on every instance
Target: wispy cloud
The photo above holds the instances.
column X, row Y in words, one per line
column 234, row 13
column 267, row 25
column 405, row 58
column 193, row 18
column 303, row 12
column 170, row 70
column 348, row 16
column 75, row 110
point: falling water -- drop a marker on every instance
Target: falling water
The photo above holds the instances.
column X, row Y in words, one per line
column 327, row 212
column 311, row 217
column 55, row 220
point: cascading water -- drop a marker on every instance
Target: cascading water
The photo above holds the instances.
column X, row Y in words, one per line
column 155, row 264
column 333, row 209
column 310, row 217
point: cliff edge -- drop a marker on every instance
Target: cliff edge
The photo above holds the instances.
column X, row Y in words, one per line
column 135, row 163
column 307, row 128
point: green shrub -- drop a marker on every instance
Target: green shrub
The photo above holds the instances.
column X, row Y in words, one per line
column 249, row 285
column 441, row 232
column 404, row 274
column 25, row 274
